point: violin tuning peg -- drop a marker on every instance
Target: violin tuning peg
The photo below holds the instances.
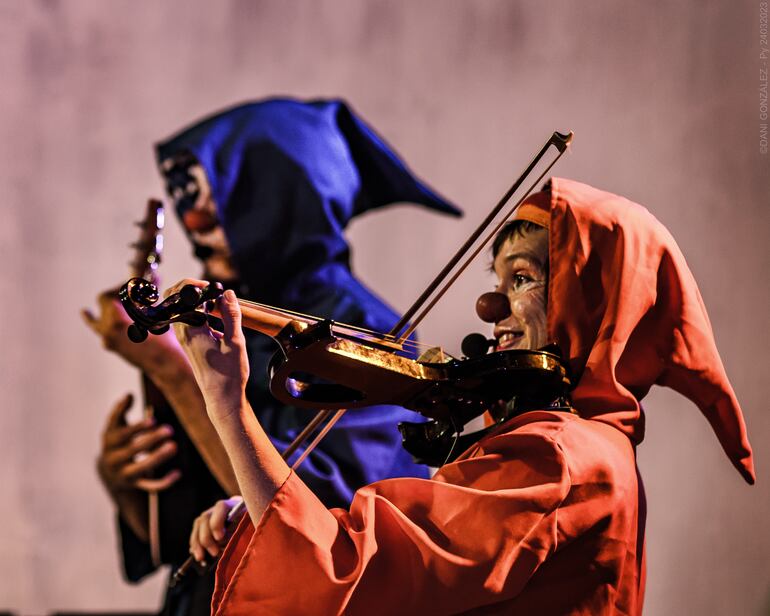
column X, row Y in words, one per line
column 190, row 296
column 212, row 291
column 137, row 333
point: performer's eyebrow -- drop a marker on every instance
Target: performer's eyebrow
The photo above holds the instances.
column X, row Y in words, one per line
column 526, row 255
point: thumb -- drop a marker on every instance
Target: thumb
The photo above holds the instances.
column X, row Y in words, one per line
column 230, row 312
column 118, row 413
column 89, row 318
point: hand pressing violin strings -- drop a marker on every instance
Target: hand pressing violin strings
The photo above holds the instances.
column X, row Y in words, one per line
column 220, row 366
column 219, row 360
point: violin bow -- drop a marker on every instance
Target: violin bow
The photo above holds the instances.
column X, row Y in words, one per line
column 561, row 142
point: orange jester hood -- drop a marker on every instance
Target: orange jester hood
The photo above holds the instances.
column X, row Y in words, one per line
column 625, row 309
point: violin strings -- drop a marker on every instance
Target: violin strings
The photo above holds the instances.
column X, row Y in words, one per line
column 310, row 319
column 454, row 442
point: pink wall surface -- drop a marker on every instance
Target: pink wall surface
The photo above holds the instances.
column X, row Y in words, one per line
column 664, row 99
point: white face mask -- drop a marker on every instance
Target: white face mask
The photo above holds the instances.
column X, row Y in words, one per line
column 188, row 186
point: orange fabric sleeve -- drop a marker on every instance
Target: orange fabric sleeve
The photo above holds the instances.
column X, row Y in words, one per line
column 484, row 523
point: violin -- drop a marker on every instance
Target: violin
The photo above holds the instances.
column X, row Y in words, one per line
column 328, row 366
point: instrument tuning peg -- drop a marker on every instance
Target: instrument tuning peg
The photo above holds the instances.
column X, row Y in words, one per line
column 137, row 333
column 191, row 296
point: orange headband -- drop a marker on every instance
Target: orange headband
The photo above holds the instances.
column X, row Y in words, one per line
column 536, row 209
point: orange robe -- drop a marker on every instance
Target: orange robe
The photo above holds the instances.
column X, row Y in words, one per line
column 546, row 515
column 539, row 518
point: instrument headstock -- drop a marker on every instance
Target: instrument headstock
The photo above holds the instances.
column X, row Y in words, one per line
column 149, row 245
column 138, row 296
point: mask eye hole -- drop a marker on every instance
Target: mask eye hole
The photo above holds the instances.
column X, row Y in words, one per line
column 181, row 184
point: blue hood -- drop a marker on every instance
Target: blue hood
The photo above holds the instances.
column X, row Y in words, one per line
column 287, row 177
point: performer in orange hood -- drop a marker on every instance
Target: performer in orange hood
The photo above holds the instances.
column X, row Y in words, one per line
column 545, row 514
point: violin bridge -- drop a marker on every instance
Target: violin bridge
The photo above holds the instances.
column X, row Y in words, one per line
column 435, row 355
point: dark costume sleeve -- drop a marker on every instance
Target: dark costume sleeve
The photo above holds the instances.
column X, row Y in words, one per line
column 178, row 507
column 137, row 561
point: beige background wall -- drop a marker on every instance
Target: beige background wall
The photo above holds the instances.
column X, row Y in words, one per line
column 663, row 98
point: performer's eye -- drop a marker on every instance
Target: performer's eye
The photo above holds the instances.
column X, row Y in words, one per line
column 520, row 280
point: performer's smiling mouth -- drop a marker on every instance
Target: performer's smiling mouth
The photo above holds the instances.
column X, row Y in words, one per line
column 508, row 339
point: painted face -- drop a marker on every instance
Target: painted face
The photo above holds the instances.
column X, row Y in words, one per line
column 521, row 267
column 188, row 186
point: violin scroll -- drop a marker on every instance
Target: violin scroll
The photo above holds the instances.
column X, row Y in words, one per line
column 138, row 296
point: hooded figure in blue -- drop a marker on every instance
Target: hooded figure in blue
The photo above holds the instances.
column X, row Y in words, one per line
column 285, row 178
column 265, row 191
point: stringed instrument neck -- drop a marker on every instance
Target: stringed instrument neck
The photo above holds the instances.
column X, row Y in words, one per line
column 265, row 320
column 272, row 321
column 148, row 248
